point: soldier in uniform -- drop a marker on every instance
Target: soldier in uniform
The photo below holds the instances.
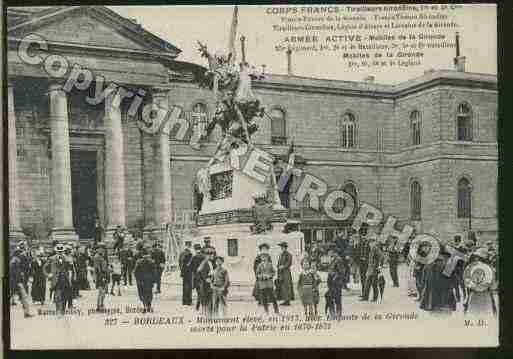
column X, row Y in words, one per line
column 101, row 269
column 362, row 255
column 196, row 261
column 376, row 259
column 159, row 257
column 185, row 264
column 145, row 273
column 335, row 282
column 127, row 265
column 285, row 285
column 264, row 251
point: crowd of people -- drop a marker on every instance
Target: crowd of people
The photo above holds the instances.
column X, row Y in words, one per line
column 356, row 259
column 60, row 274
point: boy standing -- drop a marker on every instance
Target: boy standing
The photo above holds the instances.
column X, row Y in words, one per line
column 220, row 286
column 116, row 276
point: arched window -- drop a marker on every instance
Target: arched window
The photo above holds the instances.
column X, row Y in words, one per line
column 278, row 127
column 199, row 116
column 464, row 122
column 348, row 131
column 464, row 198
column 415, row 127
column 415, row 200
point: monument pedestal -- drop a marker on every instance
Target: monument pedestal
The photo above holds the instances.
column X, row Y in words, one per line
column 227, row 217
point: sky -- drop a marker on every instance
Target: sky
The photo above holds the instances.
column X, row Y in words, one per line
column 184, row 25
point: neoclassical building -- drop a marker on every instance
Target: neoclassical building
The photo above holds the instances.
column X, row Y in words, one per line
column 424, row 150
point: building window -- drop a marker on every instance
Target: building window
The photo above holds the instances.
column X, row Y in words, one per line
column 416, row 200
column 233, row 247
column 464, row 198
column 415, row 127
column 199, row 116
column 278, row 127
column 20, row 131
column 464, row 122
column 348, row 131
column 20, row 152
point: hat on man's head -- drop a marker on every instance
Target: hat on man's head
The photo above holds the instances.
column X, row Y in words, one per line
column 101, row 245
column 283, row 244
column 489, row 243
column 206, row 239
column 263, row 245
column 59, row 248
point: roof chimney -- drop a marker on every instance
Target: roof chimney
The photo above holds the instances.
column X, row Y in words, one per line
column 289, row 61
column 369, row 79
column 459, row 61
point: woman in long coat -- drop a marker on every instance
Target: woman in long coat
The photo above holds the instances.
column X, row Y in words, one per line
column 39, row 275
column 437, row 290
column 285, row 286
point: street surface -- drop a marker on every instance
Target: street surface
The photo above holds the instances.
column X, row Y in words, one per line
column 174, row 325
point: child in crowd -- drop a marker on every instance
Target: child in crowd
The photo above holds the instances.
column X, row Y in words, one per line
column 308, row 281
column 115, row 269
column 220, row 285
column 317, row 283
column 265, row 273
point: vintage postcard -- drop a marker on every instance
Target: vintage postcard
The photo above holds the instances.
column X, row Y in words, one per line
column 252, row 176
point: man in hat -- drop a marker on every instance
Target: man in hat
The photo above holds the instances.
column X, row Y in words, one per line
column 145, row 274
column 344, row 251
column 285, row 284
column 60, row 276
column 205, row 273
column 101, row 270
column 207, row 246
column 17, row 280
column 362, row 251
column 119, row 238
column 26, row 261
column 98, row 232
column 376, row 259
column 264, row 251
column 335, row 282
column 196, row 261
column 159, row 257
column 70, row 293
column 185, row 264
column 127, row 260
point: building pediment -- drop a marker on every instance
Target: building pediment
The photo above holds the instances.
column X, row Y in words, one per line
column 92, row 26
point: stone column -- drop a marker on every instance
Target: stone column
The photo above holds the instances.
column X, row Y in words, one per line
column 162, row 168
column 114, row 166
column 15, row 233
column 61, row 165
